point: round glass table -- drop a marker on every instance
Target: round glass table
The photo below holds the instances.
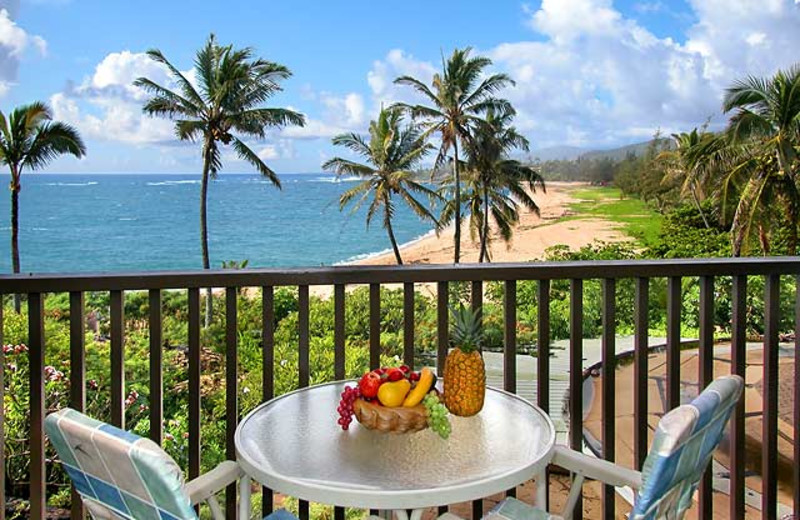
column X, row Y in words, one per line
column 292, row 444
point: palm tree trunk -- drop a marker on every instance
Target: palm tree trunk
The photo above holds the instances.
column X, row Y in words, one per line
column 699, row 208
column 763, row 239
column 393, row 240
column 457, row 253
column 484, row 256
column 204, row 227
column 15, row 234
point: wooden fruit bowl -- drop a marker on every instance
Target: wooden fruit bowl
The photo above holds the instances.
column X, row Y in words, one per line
column 400, row 419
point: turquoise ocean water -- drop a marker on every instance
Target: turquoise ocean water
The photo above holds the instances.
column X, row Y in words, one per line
column 105, row 222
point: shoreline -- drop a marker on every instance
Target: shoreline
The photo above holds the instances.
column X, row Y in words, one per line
column 532, row 236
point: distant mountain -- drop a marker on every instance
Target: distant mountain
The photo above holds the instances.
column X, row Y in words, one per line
column 617, row 154
column 571, row 153
column 557, row 153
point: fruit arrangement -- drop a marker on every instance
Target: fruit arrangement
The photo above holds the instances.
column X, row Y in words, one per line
column 464, row 369
column 395, row 399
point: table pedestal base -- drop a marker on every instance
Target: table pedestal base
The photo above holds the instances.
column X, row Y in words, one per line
column 399, row 514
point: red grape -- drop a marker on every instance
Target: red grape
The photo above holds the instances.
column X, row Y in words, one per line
column 345, row 409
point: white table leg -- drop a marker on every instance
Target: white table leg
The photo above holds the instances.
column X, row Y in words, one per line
column 402, row 514
column 244, row 497
column 541, row 490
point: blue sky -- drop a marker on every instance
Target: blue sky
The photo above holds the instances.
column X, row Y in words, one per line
column 590, row 73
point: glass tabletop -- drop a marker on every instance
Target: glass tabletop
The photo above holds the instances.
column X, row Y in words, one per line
column 293, row 444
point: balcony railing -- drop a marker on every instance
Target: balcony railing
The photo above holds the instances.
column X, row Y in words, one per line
column 35, row 287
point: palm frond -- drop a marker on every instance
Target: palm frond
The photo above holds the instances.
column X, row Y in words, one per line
column 50, row 140
column 189, row 92
column 246, row 154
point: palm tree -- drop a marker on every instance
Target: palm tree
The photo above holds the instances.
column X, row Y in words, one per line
column 456, row 99
column 231, row 87
column 496, row 184
column 691, row 162
column 766, row 125
column 392, row 153
column 29, row 138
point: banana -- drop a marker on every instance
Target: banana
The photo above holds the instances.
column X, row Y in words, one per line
column 414, row 397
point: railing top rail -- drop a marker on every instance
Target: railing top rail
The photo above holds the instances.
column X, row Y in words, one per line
column 44, row 283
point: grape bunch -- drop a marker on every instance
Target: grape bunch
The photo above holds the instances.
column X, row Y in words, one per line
column 437, row 415
column 345, row 408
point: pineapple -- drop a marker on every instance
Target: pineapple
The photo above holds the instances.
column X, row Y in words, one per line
column 464, row 370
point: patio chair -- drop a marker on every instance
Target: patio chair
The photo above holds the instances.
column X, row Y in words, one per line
column 682, row 447
column 121, row 476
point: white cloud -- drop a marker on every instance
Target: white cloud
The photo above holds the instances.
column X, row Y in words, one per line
column 314, row 129
column 14, row 42
column 106, row 105
column 338, row 114
column 599, row 78
column 114, row 119
column 588, row 76
column 397, row 63
column 281, row 149
column 119, row 70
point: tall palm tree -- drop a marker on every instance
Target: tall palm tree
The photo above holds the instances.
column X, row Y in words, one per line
column 392, row 153
column 231, row 88
column 456, row 99
column 766, row 123
column 29, row 138
column 496, row 184
column 691, row 162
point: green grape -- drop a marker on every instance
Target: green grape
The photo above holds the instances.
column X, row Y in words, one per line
column 437, row 415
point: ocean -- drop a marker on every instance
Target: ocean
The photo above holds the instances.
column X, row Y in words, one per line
column 111, row 222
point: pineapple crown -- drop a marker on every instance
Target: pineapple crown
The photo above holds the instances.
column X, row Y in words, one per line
column 467, row 331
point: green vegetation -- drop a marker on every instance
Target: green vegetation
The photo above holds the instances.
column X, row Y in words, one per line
column 633, row 216
column 742, row 181
column 232, row 87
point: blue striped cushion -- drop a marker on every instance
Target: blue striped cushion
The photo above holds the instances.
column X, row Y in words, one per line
column 118, row 475
column 513, row 509
column 683, row 445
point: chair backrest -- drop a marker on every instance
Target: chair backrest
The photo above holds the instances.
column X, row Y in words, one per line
column 683, row 445
column 119, row 475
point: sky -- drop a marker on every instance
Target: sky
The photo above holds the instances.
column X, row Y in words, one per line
column 589, row 73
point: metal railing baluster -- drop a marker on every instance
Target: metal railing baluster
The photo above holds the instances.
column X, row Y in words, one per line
column 156, row 368
column 673, row 343
column 738, row 367
column 117, row 359
column 194, row 383
column 231, row 390
column 705, row 376
column 77, row 375
column 640, row 367
column 769, row 417
column 609, row 388
column 576, row 374
column 36, row 345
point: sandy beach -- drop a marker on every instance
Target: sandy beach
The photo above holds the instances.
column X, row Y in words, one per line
column 533, row 235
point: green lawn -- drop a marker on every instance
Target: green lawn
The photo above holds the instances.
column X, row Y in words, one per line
column 633, row 216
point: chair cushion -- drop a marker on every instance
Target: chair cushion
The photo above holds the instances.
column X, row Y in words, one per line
column 280, row 514
column 119, row 475
column 683, row 445
column 513, row 509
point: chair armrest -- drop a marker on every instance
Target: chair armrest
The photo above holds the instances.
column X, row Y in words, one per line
column 211, row 483
column 597, row 469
